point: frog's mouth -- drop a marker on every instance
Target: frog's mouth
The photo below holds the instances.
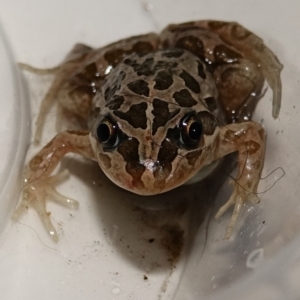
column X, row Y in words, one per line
column 150, row 177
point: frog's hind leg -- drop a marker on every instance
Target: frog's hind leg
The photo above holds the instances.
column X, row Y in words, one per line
column 221, row 43
column 49, row 98
column 46, row 104
column 253, row 48
column 240, row 86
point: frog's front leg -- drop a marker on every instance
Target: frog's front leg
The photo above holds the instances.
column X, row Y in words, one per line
column 249, row 140
column 38, row 180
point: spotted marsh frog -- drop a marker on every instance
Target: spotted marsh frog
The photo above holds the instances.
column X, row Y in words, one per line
column 158, row 109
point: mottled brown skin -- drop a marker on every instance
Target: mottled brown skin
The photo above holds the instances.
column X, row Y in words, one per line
column 141, row 96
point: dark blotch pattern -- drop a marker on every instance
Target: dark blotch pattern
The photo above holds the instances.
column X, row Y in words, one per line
column 129, row 151
column 147, row 67
column 141, row 69
column 201, row 71
column 111, row 90
column 190, row 81
column 135, row 116
column 142, row 47
column 88, row 80
column 211, row 103
column 115, row 102
column 139, row 87
column 167, row 153
column 223, row 55
column 163, row 80
column 173, row 53
column 165, row 65
column 193, row 156
column 184, row 98
column 116, row 55
column 161, row 114
column 208, row 122
column 192, row 44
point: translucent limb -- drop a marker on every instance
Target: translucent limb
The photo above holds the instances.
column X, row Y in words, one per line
column 238, row 198
column 35, row 194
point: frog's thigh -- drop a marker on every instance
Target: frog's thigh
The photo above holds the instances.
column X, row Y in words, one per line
column 239, row 86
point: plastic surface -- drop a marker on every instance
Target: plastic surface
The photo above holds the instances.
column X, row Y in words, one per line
column 14, row 130
column 121, row 246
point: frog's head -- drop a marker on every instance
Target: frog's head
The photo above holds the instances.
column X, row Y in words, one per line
column 147, row 162
column 153, row 123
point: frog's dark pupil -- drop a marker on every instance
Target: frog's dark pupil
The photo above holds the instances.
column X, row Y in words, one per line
column 195, row 131
column 103, row 133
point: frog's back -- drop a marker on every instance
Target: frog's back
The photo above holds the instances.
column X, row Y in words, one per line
column 157, row 85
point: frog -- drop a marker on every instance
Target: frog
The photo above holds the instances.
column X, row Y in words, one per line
column 158, row 109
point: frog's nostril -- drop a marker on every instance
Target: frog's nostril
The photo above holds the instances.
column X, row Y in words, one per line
column 150, row 164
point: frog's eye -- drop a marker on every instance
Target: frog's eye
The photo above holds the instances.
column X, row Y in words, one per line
column 107, row 133
column 191, row 130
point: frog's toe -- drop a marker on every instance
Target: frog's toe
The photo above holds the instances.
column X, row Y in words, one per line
column 225, row 207
column 35, row 194
column 238, row 203
column 45, row 217
column 54, row 195
column 238, row 198
column 35, row 198
column 61, row 199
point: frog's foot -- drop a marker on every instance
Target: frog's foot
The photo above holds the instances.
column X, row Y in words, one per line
column 35, row 194
column 238, row 198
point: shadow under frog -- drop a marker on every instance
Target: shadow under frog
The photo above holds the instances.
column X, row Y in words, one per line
column 151, row 232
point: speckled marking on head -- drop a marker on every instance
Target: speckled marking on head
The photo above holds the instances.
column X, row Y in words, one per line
column 211, row 103
column 163, row 80
column 115, row 86
column 139, row 87
column 184, row 98
column 135, row 116
column 161, row 114
column 190, row 82
column 167, row 153
column 129, row 151
column 115, row 102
